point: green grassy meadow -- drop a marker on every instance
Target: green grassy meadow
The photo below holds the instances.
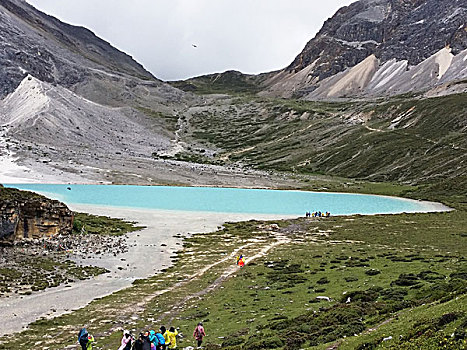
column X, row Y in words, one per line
column 401, row 276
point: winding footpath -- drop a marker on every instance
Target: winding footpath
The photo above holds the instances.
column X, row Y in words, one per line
column 140, row 305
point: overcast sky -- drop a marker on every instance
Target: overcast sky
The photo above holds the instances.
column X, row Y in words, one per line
column 252, row 36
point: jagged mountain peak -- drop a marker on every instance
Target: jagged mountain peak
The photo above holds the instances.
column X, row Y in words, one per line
column 54, row 51
column 408, row 32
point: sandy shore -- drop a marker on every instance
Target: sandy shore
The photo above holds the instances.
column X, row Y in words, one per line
column 145, row 257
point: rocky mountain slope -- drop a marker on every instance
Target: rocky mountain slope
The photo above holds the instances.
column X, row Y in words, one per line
column 380, row 47
column 69, row 96
column 112, row 121
column 55, row 52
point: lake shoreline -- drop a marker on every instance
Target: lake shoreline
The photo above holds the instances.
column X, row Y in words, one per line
column 232, row 199
column 150, row 251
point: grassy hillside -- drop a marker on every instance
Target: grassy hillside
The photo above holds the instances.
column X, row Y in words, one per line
column 384, row 277
column 229, row 82
column 404, row 139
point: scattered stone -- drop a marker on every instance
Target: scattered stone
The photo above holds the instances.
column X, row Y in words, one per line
column 323, row 298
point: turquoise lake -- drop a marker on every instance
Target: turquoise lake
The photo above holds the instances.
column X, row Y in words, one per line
column 224, row 200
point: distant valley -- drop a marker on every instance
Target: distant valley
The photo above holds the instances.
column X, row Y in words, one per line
column 72, row 104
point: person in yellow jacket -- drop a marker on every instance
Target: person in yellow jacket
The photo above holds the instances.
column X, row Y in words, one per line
column 171, row 338
column 89, row 343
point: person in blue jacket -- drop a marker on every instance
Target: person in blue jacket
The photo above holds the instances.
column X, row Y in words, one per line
column 161, row 340
column 154, row 340
column 83, row 338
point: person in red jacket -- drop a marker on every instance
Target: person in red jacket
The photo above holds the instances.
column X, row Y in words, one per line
column 240, row 261
column 199, row 333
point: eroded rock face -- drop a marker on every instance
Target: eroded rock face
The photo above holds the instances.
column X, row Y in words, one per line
column 411, row 30
column 29, row 216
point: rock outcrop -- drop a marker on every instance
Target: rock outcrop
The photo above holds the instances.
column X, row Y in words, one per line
column 24, row 215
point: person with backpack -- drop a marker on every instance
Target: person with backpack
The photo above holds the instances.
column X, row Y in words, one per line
column 90, row 341
column 85, row 339
column 199, row 333
column 161, row 340
column 154, row 340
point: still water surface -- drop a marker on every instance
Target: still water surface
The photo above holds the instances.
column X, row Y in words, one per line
column 224, row 200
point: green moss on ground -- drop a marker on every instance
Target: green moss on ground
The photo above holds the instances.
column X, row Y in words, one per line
column 84, row 223
column 13, row 194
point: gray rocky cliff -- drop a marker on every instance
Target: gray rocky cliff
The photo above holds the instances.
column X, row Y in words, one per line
column 408, row 31
column 411, row 30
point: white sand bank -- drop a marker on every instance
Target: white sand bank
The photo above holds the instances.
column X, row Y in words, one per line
column 144, row 258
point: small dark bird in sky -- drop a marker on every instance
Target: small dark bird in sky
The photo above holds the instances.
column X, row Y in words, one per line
column 194, row 45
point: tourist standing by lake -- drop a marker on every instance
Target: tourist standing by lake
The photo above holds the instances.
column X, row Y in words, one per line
column 199, row 333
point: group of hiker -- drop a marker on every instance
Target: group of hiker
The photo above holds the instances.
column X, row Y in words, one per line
column 317, row 214
column 150, row 340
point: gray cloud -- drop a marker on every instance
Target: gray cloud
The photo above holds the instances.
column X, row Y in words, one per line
column 251, row 36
